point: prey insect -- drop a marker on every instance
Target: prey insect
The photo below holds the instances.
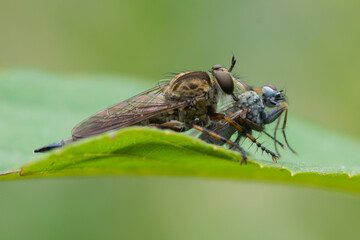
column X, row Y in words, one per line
column 189, row 100
column 248, row 113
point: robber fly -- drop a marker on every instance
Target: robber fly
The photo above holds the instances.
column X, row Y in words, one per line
column 248, row 113
column 189, row 100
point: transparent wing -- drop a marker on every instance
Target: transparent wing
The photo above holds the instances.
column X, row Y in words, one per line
column 240, row 87
column 226, row 101
column 233, row 113
column 129, row 112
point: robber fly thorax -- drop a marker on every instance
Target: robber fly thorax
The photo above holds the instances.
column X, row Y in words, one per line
column 188, row 100
column 201, row 93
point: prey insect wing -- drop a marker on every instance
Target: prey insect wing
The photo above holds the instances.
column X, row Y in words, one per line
column 223, row 128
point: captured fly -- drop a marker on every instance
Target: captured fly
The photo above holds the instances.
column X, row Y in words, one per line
column 189, row 100
column 248, row 113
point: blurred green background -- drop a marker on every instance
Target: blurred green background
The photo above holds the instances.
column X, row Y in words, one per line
column 310, row 48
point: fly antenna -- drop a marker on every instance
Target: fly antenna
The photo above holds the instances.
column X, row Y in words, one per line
column 233, row 61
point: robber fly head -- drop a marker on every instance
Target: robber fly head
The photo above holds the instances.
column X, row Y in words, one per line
column 271, row 96
column 223, row 77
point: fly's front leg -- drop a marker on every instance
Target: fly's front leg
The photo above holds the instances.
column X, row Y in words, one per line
column 271, row 116
column 275, row 131
column 222, row 139
column 274, row 114
column 283, row 131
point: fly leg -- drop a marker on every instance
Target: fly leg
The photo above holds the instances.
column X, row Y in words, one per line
column 237, row 140
column 275, row 131
column 240, row 129
column 274, row 114
column 222, row 139
column 273, row 155
column 259, row 128
column 283, row 131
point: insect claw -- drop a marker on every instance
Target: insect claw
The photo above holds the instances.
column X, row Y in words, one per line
column 243, row 160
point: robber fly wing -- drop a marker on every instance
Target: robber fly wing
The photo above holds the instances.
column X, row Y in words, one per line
column 233, row 115
column 240, row 87
column 155, row 90
column 127, row 113
column 222, row 126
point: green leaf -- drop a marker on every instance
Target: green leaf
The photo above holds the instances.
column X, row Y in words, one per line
column 55, row 103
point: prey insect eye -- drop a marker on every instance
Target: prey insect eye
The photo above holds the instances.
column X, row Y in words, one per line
column 225, row 81
column 217, row 67
column 268, row 91
column 271, row 86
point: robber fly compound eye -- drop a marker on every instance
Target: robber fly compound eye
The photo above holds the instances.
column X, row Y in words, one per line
column 271, row 86
column 217, row 67
column 225, row 81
